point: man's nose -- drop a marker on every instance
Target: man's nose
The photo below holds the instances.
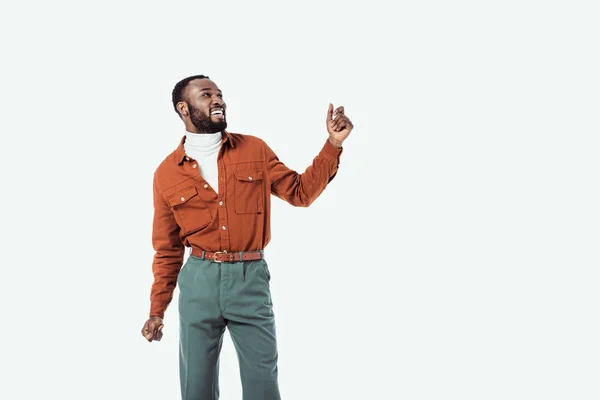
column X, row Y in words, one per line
column 218, row 100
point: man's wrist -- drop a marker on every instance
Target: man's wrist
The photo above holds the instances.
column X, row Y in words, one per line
column 336, row 143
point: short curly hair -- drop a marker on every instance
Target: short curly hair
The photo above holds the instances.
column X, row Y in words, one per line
column 179, row 88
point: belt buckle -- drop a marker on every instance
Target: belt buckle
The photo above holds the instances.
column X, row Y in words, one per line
column 218, row 252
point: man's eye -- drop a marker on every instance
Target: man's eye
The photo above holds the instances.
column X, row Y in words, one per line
column 205, row 94
column 220, row 96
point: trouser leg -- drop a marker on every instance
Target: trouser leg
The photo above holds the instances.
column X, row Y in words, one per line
column 251, row 324
column 201, row 328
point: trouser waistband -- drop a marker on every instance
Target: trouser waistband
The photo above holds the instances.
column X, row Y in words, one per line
column 225, row 256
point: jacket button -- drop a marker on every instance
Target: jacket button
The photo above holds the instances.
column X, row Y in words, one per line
column 183, row 199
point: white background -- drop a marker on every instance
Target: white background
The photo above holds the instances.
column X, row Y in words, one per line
column 454, row 256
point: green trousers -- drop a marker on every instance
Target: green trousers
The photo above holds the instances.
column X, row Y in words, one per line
column 236, row 295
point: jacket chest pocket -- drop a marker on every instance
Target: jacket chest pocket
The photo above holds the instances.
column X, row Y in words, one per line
column 190, row 211
column 248, row 191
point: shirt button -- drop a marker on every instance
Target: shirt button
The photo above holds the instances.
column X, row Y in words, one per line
column 250, row 178
column 194, row 166
column 183, row 199
column 223, row 227
column 206, row 185
column 220, row 203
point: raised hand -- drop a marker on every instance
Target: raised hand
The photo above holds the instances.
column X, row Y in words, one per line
column 339, row 125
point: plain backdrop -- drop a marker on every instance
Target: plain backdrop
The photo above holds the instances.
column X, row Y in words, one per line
column 454, row 256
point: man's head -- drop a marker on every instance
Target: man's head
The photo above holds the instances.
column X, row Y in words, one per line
column 199, row 103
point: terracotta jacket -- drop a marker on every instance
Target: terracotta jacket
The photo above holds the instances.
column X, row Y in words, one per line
column 188, row 212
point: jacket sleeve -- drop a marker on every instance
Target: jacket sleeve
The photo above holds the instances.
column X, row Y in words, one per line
column 301, row 189
column 168, row 256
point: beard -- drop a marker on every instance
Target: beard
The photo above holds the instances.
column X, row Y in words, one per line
column 204, row 123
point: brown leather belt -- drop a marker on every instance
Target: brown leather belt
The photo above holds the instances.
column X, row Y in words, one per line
column 224, row 256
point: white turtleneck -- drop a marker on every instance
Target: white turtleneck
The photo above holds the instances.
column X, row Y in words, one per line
column 204, row 148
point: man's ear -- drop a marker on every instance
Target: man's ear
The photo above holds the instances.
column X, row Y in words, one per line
column 183, row 109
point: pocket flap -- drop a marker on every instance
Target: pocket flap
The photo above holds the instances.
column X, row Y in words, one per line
column 182, row 196
column 249, row 175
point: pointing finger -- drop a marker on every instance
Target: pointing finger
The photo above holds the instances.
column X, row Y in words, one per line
column 330, row 112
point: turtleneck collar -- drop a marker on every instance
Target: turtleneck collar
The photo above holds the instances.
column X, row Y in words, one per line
column 202, row 140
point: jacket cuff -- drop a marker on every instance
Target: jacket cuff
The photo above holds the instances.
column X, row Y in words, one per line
column 157, row 312
column 330, row 151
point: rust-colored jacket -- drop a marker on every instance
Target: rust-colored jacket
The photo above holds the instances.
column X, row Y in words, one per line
column 189, row 213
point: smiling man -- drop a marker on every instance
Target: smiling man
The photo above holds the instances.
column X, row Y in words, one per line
column 212, row 195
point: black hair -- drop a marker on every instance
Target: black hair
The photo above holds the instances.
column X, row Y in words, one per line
column 180, row 88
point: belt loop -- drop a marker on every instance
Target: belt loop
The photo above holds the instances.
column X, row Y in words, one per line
column 243, row 266
column 203, row 254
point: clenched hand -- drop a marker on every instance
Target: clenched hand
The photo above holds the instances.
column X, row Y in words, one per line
column 152, row 329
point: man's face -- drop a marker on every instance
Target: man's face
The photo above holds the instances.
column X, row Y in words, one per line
column 206, row 106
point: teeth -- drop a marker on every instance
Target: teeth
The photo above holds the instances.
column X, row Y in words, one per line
column 217, row 112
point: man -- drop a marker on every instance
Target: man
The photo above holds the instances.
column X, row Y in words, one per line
column 212, row 194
